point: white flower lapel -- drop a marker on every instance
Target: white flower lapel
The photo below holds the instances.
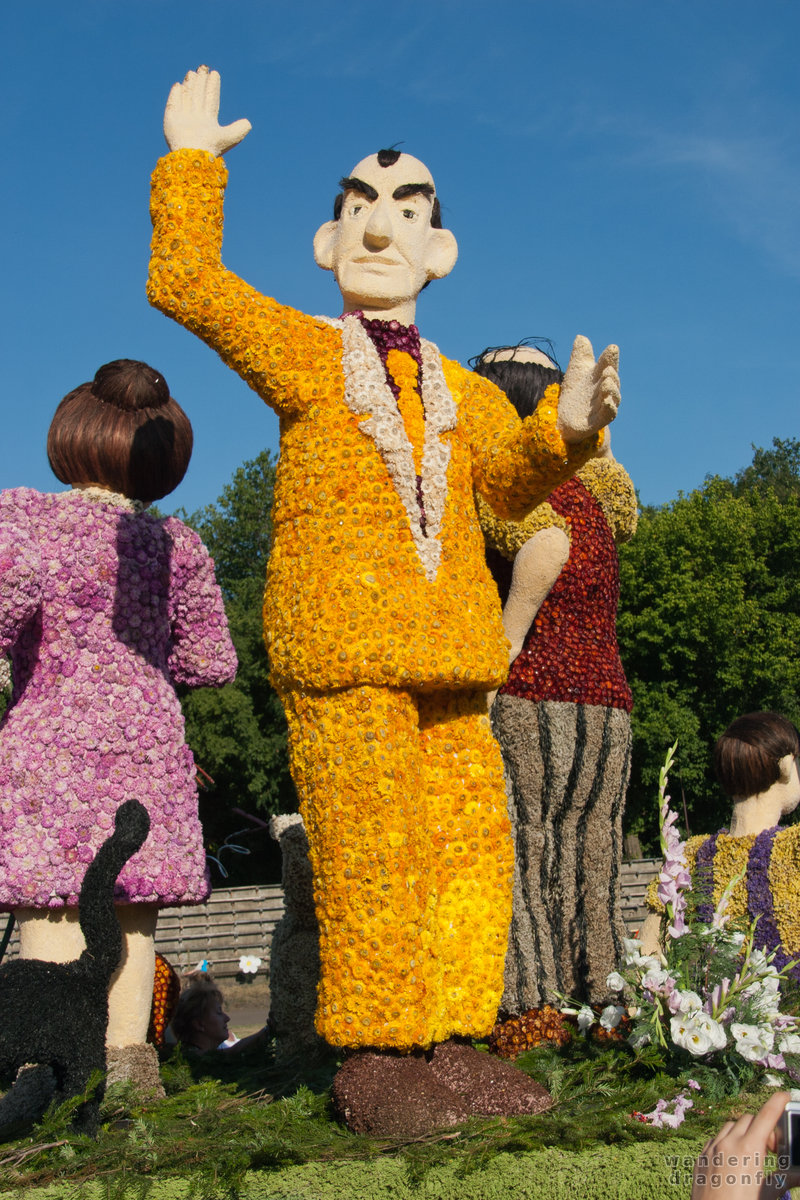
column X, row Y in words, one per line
column 367, row 393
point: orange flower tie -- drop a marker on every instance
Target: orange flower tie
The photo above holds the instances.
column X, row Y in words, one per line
column 404, row 370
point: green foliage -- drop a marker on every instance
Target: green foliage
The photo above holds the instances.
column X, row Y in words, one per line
column 709, row 626
column 776, row 470
column 212, row 1140
column 238, row 733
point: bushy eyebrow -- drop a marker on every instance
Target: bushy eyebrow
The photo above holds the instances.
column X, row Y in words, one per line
column 353, row 184
column 413, row 189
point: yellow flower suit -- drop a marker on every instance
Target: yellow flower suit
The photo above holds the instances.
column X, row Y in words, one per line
column 383, row 628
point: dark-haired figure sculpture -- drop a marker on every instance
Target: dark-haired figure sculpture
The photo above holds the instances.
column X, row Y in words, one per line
column 562, row 716
column 755, row 761
column 103, row 610
column 380, row 618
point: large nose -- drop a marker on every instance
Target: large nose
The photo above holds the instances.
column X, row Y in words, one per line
column 378, row 229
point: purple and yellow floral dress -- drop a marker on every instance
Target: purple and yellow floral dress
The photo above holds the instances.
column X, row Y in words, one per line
column 103, row 609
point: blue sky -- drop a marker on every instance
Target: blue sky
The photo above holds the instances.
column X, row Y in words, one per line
column 626, row 170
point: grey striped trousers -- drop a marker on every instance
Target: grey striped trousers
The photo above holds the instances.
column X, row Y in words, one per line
column 567, row 768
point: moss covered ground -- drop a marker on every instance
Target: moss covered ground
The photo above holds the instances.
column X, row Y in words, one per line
column 245, row 1131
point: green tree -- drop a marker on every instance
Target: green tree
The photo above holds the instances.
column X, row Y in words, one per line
column 238, row 732
column 776, row 470
column 709, row 626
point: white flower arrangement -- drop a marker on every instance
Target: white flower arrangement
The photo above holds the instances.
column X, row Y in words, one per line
column 712, row 994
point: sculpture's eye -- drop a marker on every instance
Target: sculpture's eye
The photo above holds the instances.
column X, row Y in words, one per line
column 355, row 209
column 410, row 214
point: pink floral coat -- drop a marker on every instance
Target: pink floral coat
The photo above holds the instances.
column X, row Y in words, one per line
column 102, row 611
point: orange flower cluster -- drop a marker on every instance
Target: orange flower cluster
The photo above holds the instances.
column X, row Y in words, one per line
column 412, row 860
column 512, row 1037
column 404, row 371
column 166, row 989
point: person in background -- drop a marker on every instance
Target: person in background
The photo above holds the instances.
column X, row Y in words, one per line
column 200, row 1023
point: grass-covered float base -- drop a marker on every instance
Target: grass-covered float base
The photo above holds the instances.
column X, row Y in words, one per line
column 605, row 1173
column 251, row 1133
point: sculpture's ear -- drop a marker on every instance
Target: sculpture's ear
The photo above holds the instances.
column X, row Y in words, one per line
column 785, row 768
column 324, row 241
column 441, row 253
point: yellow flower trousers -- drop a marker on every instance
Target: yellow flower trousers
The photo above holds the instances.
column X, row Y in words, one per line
column 403, row 801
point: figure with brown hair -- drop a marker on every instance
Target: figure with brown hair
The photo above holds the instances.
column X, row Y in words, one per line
column 756, row 762
column 562, row 716
column 103, row 610
column 200, row 1023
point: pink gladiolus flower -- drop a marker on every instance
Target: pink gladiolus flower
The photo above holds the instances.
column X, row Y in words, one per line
column 674, row 877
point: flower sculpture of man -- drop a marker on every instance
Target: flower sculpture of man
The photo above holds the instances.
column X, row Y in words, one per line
column 380, row 617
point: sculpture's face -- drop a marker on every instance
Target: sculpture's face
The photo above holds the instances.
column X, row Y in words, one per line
column 384, row 250
column 792, row 792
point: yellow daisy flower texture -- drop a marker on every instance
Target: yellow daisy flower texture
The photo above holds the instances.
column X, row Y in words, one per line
column 383, row 626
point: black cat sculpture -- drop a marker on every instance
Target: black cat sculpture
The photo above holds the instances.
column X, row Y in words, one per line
column 55, row 1014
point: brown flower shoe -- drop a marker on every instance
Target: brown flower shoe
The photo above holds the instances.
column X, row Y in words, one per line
column 488, row 1086
column 391, row 1095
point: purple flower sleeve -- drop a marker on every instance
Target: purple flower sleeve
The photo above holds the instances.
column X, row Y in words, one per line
column 20, row 569
column 202, row 652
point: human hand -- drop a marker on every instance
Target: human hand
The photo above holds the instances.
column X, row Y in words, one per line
column 590, row 392
column 732, row 1166
column 191, row 118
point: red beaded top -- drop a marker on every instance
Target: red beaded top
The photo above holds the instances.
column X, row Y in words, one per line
column 571, row 652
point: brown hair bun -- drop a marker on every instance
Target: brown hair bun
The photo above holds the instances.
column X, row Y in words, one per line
column 130, row 385
column 122, row 431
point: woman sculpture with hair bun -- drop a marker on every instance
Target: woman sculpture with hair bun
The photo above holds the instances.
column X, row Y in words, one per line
column 103, row 609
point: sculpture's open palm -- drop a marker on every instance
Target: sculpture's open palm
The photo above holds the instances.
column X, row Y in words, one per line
column 590, row 392
column 191, row 118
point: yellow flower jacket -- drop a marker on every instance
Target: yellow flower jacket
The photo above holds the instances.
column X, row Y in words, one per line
column 359, row 589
